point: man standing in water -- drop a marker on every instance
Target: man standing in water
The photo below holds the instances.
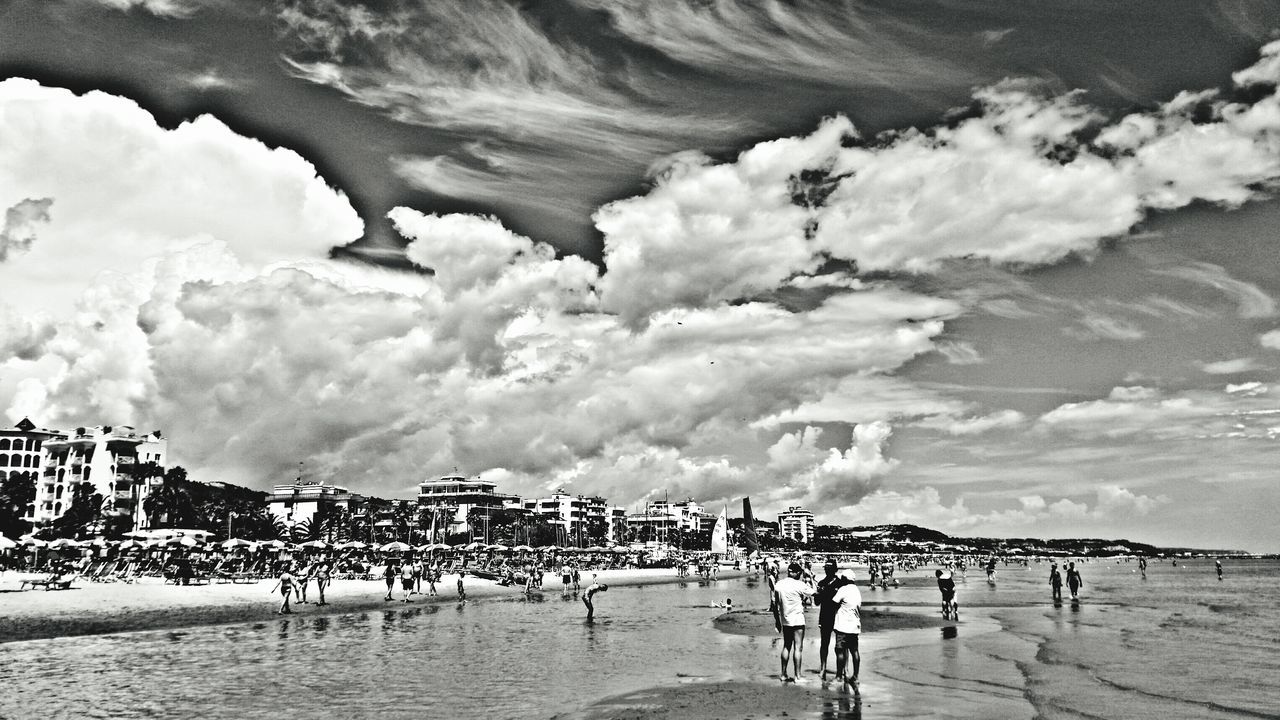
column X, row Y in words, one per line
column 592, row 589
column 848, row 626
column 1073, row 580
column 788, row 617
column 1055, row 582
column 1218, row 565
column 1142, row 565
column 947, row 586
column 827, row 587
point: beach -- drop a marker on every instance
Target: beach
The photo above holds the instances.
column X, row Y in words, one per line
column 149, row 603
column 1177, row 644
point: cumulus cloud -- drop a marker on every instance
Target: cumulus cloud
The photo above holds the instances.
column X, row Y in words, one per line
column 126, row 189
column 925, row 506
column 1015, row 181
column 20, row 223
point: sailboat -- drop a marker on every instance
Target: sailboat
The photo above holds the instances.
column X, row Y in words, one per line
column 720, row 535
column 750, row 542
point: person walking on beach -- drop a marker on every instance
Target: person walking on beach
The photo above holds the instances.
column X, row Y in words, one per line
column 592, row 589
column 790, row 594
column 389, row 574
column 433, row 575
column 1055, row 582
column 1074, row 582
column 462, row 593
column 285, row 585
column 848, row 626
column 300, row 588
column 947, row 586
column 824, row 598
column 577, row 579
column 406, row 580
column 991, row 570
column 1142, row 566
column 1218, row 565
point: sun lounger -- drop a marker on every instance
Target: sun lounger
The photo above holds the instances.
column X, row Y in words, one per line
column 46, row 583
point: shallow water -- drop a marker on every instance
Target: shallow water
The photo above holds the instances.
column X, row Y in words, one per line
column 1178, row 644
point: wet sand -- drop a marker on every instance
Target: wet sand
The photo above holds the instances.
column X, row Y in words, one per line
column 759, row 623
column 93, row 608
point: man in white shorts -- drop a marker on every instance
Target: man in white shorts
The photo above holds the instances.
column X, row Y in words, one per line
column 848, row 626
column 788, row 617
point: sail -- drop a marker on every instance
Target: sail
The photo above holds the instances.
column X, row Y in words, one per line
column 720, row 535
column 749, row 540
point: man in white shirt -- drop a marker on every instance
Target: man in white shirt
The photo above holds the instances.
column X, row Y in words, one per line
column 848, row 625
column 788, row 617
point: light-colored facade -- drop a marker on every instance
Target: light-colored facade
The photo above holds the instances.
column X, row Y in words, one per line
column 301, row 501
column 667, row 519
column 22, row 455
column 574, row 514
column 797, row 524
column 107, row 457
column 456, row 499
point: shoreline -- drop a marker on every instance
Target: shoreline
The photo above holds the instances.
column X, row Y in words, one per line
column 91, row 608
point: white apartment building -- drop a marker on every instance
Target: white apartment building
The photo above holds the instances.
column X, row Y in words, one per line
column 22, row 455
column 573, row 514
column 669, row 518
column 106, row 457
column 797, row 524
column 299, row 502
column 455, row 497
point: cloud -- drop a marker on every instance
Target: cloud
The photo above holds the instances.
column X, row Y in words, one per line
column 20, row 223
column 975, row 425
column 959, row 352
column 126, row 189
column 1230, row 367
column 838, row 43
column 925, row 506
column 1270, row 340
column 1252, row 301
column 163, row 8
column 1013, row 181
column 546, row 109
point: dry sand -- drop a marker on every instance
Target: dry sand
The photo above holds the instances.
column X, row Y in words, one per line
column 91, row 608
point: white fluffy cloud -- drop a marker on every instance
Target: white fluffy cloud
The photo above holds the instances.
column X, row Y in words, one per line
column 123, row 189
column 1014, row 183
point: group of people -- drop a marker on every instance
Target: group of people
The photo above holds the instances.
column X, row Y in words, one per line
column 1074, row 581
column 293, row 581
column 839, row 605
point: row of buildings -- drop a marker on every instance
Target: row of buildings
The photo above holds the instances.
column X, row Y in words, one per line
column 125, row 466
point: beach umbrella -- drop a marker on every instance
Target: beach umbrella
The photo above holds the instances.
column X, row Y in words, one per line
column 523, row 548
column 315, row 545
column 61, row 543
column 443, row 546
column 274, row 544
column 499, row 547
column 477, row 545
column 101, row 542
column 352, row 545
column 234, row 543
column 6, row 543
column 424, row 548
column 131, row 544
column 184, row 541
column 32, row 541
column 396, row 547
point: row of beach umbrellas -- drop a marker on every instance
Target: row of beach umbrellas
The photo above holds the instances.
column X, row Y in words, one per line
column 234, row 543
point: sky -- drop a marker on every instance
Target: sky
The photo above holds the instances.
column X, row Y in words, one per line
column 999, row 269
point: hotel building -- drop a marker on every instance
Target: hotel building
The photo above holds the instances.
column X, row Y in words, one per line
column 111, row 459
column 456, row 499
column 22, row 456
column 573, row 514
column 299, row 502
column 796, row 524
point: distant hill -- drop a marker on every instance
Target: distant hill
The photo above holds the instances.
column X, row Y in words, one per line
column 913, row 538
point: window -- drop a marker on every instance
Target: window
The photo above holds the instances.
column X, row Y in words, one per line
column 4, row 459
column 4, row 444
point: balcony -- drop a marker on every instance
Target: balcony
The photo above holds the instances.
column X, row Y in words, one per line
column 122, row 495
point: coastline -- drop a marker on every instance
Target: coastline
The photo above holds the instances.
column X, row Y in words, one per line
column 91, row 608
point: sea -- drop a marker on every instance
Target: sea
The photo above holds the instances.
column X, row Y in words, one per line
column 1178, row 643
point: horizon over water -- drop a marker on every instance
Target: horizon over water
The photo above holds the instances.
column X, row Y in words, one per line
column 1178, row 644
